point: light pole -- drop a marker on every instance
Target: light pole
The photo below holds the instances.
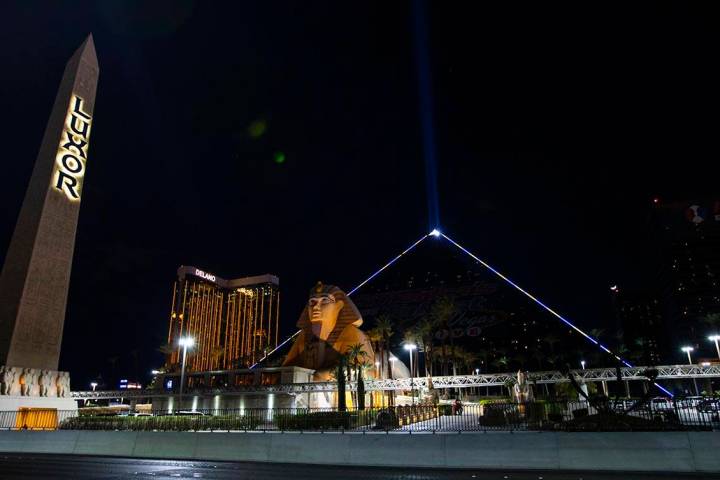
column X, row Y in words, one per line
column 716, row 339
column 184, row 342
column 582, row 363
column 410, row 347
column 93, row 385
column 688, row 350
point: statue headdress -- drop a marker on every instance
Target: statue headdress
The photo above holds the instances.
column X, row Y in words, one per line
column 349, row 314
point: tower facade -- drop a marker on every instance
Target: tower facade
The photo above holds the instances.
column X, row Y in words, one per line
column 234, row 322
column 36, row 273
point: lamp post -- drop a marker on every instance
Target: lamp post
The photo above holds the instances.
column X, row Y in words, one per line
column 184, row 342
column 93, row 385
column 716, row 339
column 688, row 350
column 582, row 363
column 410, row 347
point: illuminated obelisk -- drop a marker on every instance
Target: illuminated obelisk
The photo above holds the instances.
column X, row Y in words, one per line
column 36, row 273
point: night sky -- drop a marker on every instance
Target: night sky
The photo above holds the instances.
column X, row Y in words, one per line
column 554, row 126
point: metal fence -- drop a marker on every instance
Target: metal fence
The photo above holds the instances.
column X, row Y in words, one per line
column 624, row 415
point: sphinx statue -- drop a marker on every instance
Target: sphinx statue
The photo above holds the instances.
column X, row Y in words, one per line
column 329, row 326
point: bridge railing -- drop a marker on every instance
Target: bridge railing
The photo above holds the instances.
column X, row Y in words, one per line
column 501, row 416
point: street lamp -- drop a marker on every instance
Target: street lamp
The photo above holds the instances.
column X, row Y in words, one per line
column 410, row 347
column 716, row 339
column 93, row 385
column 184, row 342
column 582, row 363
column 477, row 371
column 688, row 350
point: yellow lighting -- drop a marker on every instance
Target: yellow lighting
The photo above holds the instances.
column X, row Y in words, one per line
column 72, row 151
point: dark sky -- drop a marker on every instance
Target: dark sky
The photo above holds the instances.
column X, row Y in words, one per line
column 555, row 126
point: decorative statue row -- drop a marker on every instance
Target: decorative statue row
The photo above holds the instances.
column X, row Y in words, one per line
column 34, row 382
column 329, row 326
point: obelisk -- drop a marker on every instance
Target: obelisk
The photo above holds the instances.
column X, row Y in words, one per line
column 36, row 274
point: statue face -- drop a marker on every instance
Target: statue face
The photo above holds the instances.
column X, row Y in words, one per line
column 323, row 311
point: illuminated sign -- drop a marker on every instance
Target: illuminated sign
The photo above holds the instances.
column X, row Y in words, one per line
column 73, row 149
column 206, row 276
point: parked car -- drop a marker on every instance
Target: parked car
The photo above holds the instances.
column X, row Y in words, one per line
column 660, row 404
column 711, row 405
column 690, row 402
column 191, row 412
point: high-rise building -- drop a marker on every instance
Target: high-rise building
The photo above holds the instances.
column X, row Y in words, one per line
column 233, row 322
column 642, row 325
column 690, row 249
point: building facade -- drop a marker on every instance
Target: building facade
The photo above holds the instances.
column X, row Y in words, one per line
column 234, row 323
column 689, row 240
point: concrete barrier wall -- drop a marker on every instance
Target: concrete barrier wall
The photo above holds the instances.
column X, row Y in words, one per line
column 651, row 452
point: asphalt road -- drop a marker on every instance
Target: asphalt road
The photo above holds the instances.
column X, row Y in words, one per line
column 23, row 466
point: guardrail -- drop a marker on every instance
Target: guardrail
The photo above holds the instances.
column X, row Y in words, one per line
column 549, row 416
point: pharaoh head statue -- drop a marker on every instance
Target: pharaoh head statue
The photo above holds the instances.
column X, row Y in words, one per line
column 328, row 312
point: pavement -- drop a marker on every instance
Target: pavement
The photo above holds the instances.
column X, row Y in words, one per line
column 76, row 467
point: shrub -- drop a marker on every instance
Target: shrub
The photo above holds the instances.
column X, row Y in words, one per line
column 165, row 423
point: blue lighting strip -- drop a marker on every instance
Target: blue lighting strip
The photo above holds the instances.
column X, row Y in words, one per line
column 531, row 297
column 434, row 233
column 389, row 263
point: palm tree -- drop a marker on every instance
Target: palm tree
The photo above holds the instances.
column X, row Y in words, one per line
column 356, row 355
column 551, row 340
column 712, row 320
column 539, row 356
column 375, row 337
column 384, row 325
column 597, row 333
column 442, row 311
column 340, row 375
column 113, row 361
column 501, row 362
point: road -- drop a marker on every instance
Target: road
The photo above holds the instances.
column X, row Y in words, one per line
column 23, row 466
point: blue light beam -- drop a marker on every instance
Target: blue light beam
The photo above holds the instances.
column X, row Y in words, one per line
column 553, row 312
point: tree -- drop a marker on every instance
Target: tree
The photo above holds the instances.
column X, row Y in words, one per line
column 384, row 325
column 340, row 374
column 551, row 340
column 500, row 362
column 375, row 338
column 712, row 320
column 356, row 357
column 442, row 311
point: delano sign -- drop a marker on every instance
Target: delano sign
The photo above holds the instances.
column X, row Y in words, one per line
column 72, row 153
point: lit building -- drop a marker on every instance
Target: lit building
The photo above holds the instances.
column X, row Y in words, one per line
column 641, row 322
column 233, row 322
column 690, row 249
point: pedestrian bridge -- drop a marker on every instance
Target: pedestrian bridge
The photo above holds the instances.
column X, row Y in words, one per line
column 665, row 372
